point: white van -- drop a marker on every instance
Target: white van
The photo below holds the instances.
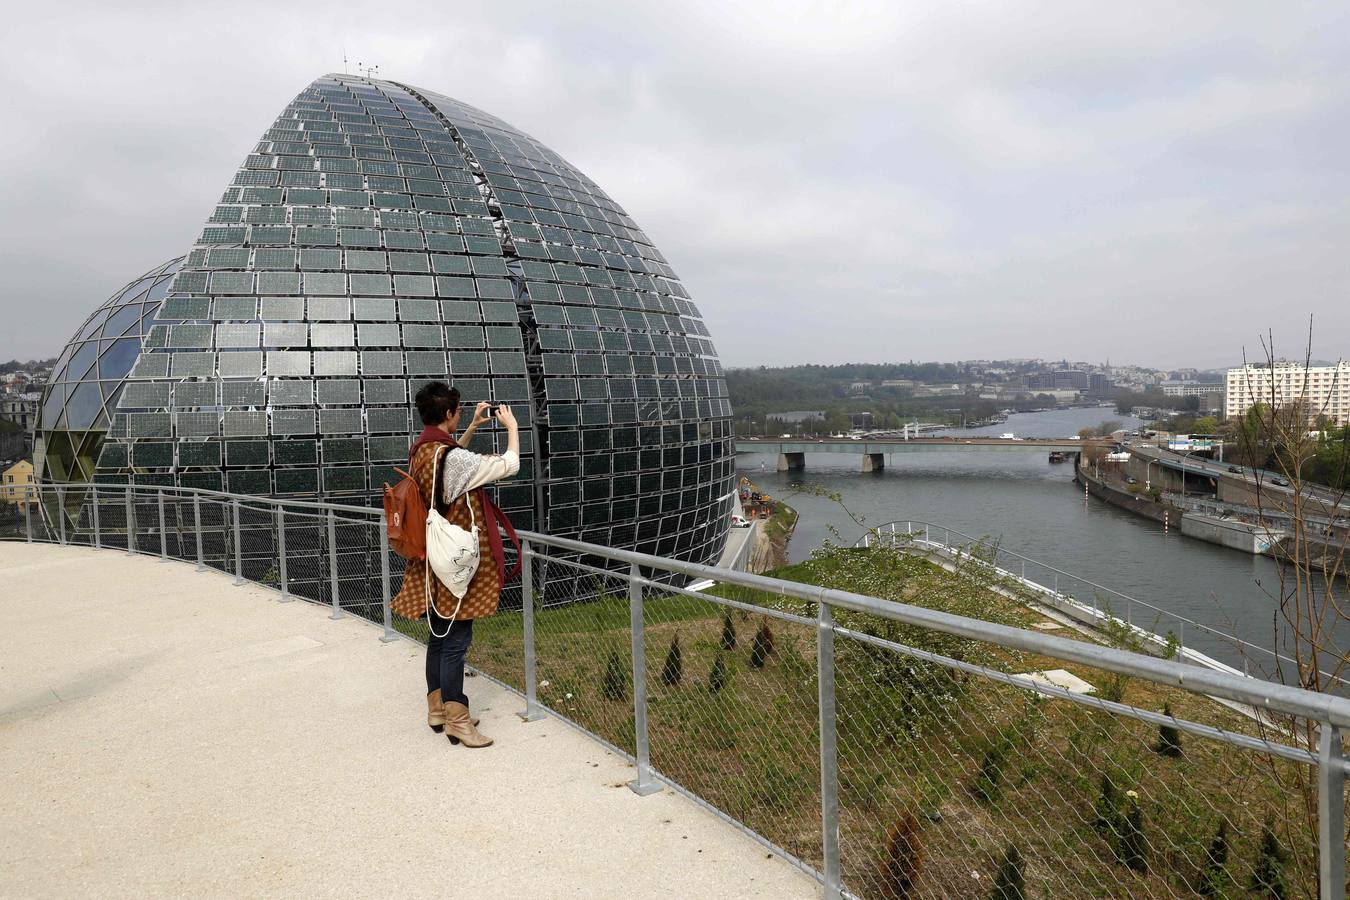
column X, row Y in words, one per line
column 739, row 521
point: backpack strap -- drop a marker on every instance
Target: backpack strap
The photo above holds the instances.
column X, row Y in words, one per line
column 494, row 517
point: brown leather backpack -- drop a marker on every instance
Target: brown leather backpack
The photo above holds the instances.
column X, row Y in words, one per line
column 405, row 518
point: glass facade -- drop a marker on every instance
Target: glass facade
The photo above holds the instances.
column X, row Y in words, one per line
column 78, row 403
column 379, row 236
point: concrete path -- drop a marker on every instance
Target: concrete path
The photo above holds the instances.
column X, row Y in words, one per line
column 163, row 732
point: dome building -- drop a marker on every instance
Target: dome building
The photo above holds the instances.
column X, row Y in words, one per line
column 380, row 235
column 79, row 401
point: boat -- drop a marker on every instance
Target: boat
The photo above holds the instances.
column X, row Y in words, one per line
column 1057, row 457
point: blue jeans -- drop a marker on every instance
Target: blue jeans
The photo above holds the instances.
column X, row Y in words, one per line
column 445, row 658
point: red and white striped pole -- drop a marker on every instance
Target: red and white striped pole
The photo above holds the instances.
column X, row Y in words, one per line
column 1164, row 521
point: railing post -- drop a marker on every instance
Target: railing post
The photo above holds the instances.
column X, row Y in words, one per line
column 197, row 527
column 98, row 538
column 163, row 537
column 829, row 752
column 532, row 712
column 281, row 555
column 238, row 546
column 332, row 566
column 389, row 633
column 31, row 496
column 128, row 492
column 644, row 784
column 1330, row 813
column 61, row 513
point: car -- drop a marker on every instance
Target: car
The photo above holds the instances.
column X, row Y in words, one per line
column 1279, row 481
column 1130, row 479
column 785, row 435
column 1237, row 469
column 739, row 521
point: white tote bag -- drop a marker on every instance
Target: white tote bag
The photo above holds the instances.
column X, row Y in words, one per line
column 452, row 552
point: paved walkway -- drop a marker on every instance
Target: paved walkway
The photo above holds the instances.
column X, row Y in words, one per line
column 163, row 732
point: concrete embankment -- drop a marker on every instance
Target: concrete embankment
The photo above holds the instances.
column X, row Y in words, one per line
column 1231, row 533
column 1135, row 503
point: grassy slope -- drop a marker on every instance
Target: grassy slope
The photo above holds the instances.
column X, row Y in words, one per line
column 975, row 764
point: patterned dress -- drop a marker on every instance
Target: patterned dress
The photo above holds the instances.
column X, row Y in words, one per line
column 485, row 589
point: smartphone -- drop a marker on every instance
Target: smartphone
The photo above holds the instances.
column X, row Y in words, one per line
column 492, row 408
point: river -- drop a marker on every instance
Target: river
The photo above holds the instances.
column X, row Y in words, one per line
column 1032, row 507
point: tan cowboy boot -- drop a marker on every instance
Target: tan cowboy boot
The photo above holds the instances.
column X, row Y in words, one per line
column 435, row 712
column 460, row 729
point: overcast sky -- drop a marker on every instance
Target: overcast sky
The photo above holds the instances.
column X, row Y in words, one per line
column 1157, row 184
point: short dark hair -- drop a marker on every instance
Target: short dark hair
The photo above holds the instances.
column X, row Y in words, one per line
column 436, row 402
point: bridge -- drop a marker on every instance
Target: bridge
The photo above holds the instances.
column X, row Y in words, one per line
column 792, row 451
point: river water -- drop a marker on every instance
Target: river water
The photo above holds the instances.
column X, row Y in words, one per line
column 1032, row 507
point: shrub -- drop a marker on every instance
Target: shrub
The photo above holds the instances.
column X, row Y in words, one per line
column 904, row 859
column 673, row 670
column 1132, row 851
column 1268, row 873
column 718, row 678
column 1010, row 882
column 728, row 631
column 1215, row 877
column 1107, row 821
column 761, row 647
column 1169, row 738
column 615, row 684
column 989, row 781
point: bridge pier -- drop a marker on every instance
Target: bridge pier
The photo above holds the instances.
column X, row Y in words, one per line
column 791, row 462
column 874, row 462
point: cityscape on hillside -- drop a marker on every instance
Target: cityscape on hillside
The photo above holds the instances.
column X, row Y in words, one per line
column 815, row 399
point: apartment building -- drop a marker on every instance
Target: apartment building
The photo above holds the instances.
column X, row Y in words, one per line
column 1322, row 390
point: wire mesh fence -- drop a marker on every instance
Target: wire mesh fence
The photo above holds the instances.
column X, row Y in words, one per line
column 940, row 749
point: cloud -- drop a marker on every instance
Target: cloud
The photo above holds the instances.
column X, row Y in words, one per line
column 1156, row 182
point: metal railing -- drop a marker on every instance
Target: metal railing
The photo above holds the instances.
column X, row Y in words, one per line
column 888, row 749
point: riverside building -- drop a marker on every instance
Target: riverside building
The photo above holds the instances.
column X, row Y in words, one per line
column 1321, row 390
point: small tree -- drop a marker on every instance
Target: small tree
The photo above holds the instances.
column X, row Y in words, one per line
column 1010, row 882
column 1215, row 877
column 1108, row 820
column 761, row 647
column 717, row 678
column 673, row 670
column 989, row 781
column 616, row 680
column 728, row 631
column 904, row 859
column 1268, row 873
column 1133, row 849
column 1169, row 738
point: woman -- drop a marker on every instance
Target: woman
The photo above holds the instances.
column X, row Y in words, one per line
column 451, row 620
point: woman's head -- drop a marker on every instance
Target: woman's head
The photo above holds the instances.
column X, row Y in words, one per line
column 438, row 404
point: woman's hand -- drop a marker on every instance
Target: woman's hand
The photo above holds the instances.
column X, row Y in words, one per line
column 505, row 416
column 480, row 414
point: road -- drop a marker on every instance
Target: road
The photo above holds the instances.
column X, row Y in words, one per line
column 1264, row 477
